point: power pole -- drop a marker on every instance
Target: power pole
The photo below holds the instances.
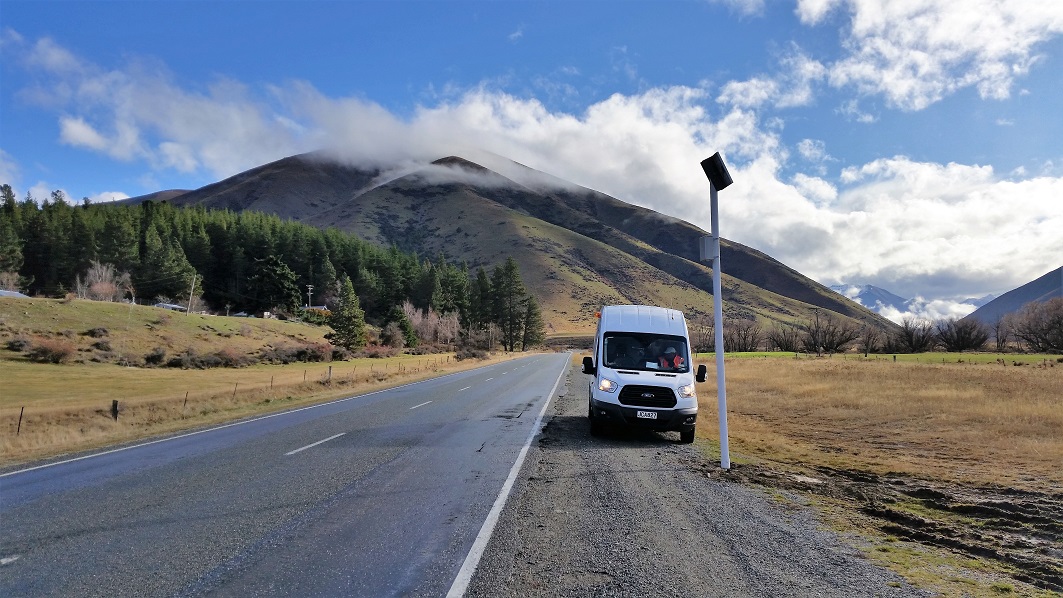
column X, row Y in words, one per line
column 309, row 294
column 190, row 292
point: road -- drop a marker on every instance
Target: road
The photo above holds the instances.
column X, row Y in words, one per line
column 639, row 514
column 378, row 495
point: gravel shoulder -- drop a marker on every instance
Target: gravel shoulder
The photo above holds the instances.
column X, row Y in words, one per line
column 638, row 514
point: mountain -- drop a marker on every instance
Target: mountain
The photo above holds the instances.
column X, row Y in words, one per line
column 577, row 248
column 1044, row 288
column 874, row 298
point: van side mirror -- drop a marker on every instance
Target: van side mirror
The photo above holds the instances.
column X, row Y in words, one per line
column 588, row 366
column 701, row 373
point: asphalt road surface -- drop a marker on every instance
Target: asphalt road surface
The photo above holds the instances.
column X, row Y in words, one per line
column 379, row 495
column 639, row 514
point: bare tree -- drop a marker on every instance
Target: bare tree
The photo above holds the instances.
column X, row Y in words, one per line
column 1040, row 325
column 9, row 281
column 449, row 325
column 826, row 334
column 915, row 336
column 869, row 338
column 1002, row 330
column 741, row 336
column 962, row 335
column 784, row 337
column 702, row 334
column 103, row 282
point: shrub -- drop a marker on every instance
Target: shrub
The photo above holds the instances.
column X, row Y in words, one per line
column 105, row 357
column 470, row 353
column 379, row 351
column 48, row 350
column 19, row 343
column 232, row 358
column 190, row 360
column 103, row 345
column 96, row 332
column 340, row 354
column 156, row 357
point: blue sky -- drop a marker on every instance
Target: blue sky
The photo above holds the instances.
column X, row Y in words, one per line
column 915, row 146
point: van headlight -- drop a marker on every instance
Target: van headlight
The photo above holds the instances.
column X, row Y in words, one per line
column 607, row 385
column 687, row 391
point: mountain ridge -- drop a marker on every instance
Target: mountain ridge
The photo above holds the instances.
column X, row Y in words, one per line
column 578, row 248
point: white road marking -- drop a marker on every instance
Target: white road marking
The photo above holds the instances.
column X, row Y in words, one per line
column 472, row 560
column 466, row 388
column 222, row 427
column 421, row 405
column 315, row 444
column 489, row 379
column 7, row 560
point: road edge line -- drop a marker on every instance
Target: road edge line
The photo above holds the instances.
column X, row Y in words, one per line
column 472, row 560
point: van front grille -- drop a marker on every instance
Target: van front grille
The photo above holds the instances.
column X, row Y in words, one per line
column 647, row 396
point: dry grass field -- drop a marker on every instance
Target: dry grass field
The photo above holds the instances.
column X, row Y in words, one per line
column 984, row 424
column 951, row 473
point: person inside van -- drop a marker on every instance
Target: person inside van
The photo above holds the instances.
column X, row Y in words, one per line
column 670, row 359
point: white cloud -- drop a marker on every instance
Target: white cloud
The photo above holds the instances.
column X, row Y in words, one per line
column 791, row 86
column 815, row 188
column 516, row 35
column 811, row 12
column 743, row 7
column 940, row 230
column 107, row 196
column 77, row 132
column 9, row 170
column 920, row 309
column 917, row 52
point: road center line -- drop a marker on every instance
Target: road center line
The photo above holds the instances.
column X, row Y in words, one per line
column 489, row 379
column 421, row 405
column 315, row 444
column 466, row 388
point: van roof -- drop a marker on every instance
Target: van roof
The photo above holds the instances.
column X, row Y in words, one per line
column 643, row 318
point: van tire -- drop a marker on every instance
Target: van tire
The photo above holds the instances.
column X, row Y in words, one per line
column 686, row 436
column 595, row 425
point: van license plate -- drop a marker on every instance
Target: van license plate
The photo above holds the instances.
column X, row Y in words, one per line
column 646, row 414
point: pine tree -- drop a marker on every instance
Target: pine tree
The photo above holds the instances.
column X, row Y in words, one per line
column 347, row 320
column 507, row 294
column 534, row 328
column 273, row 283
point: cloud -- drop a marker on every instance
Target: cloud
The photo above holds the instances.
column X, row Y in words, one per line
column 743, row 7
column 107, row 196
column 9, row 170
column 791, row 86
column 915, row 228
column 920, row 309
column 516, row 35
column 918, row 52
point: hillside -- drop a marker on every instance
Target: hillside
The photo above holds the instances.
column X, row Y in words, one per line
column 105, row 332
column 1044, row 288
column 577, row 248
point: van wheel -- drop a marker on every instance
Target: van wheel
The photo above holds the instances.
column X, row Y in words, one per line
column 595, row 425
column 686, row 436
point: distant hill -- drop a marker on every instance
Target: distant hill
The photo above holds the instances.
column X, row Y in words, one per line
column 1044, row 288
column 577, row 248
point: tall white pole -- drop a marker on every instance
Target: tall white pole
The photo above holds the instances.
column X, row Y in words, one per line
column 717, row 308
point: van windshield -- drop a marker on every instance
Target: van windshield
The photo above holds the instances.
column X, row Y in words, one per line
column 645, row 352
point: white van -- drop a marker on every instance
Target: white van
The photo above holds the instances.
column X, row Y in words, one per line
column 643, row 376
